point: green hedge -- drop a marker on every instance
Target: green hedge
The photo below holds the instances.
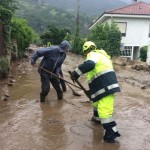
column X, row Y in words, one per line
column 5, row 18
column 4, row 66
column 107, row 37
column 143, row 53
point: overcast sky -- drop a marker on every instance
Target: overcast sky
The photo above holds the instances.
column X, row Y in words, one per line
column 130, row 1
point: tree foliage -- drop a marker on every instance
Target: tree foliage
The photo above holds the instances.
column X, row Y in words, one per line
column 40, row 15
column 107, row 37
column 5, row 18
column 8, row 4
column 143, row 53
column 54, row 35
column 22, row 33
column 114, row 41
column 4, row 66
column 78, row 45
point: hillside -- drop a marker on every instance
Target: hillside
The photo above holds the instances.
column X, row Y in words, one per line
column 94, row 7
column 40, row 16
column 62, row 13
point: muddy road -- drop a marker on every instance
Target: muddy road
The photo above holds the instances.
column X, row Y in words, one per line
column 25, row 124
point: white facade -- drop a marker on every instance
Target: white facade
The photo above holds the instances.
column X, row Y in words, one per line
column 137, row 31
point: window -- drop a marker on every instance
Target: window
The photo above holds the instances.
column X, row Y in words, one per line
column 126, row 51
column 122, row 27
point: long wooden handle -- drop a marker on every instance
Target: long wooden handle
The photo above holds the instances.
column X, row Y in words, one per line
column 58, row 76
column 81, row 86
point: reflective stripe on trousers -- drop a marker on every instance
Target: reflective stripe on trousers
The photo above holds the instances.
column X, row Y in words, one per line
column 101, row 91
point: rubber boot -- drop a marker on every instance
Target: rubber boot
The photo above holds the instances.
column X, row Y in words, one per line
column 63, row 85
column 60, row 95
column 42, row 98
column 111, row 132
column 95, row 119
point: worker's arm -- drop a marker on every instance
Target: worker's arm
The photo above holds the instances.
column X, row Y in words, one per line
column 82, row 68
column 85, row 67
column 39, row 53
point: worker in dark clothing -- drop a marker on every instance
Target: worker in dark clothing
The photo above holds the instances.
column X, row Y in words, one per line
column 53, row 57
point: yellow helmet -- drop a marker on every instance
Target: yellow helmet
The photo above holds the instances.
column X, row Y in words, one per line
column 88, row 45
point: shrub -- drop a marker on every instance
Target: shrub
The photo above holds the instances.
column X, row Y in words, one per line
column 143, row 53
column 77, row 45
column 107, row 37
column 23, row 34
column 4, row 66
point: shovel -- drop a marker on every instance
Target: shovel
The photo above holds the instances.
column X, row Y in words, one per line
column 67, row 82
column 81, row 86
column 73, row 91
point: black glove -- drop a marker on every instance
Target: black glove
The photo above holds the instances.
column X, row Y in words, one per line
column 73, row 75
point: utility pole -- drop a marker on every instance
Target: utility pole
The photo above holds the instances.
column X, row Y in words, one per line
column 77, row 38
column 77, row 18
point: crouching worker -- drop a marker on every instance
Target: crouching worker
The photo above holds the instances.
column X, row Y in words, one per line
column 53, row 58
column 102, row 85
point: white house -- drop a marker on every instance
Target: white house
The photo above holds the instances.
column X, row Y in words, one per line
column 134, row 23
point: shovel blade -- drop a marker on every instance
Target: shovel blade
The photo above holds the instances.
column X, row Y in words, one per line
column 75, row 93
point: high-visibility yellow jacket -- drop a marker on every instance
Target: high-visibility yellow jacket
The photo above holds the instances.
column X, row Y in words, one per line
column 100, row 74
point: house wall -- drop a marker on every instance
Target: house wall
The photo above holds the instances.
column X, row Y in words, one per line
column 137, row 32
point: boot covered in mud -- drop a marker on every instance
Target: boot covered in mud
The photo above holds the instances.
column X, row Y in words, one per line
column 42, row 98
column 95, row 118
column 63, row 85
column 110, row 132
column 60, row 95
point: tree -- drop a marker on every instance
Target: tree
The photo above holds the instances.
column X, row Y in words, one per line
column 22, row 33
column 78, row 45
column 77, row 48
column 5, row 20
column 99, row 35
column 114, row 41
column 54, row 35
column 107, row 37
column 9, row 4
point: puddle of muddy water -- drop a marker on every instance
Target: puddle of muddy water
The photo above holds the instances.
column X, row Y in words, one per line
column 25, row 124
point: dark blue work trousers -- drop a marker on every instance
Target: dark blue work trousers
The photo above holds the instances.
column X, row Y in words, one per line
column 45, row 86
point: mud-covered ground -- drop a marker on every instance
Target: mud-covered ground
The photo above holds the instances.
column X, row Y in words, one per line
column 25, row 124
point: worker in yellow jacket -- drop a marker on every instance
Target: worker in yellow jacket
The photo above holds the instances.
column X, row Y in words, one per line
column 102, row 86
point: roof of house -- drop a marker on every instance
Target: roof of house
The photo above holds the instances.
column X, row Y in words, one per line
column 139, row 8
column 136, row 9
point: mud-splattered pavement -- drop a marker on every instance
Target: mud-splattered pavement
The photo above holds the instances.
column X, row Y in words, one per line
column 25, row 124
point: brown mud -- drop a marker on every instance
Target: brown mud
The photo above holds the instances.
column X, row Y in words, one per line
column 25, row 124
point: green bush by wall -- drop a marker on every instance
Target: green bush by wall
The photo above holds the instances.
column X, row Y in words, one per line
column 4, row 66
column 143, row 53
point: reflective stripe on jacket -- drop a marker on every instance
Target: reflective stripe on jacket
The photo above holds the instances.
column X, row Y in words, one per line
column 102, row 79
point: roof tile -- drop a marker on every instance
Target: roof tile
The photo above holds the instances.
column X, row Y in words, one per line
column 139, row 8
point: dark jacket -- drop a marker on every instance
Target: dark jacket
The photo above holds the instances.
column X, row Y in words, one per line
column 53, row 57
